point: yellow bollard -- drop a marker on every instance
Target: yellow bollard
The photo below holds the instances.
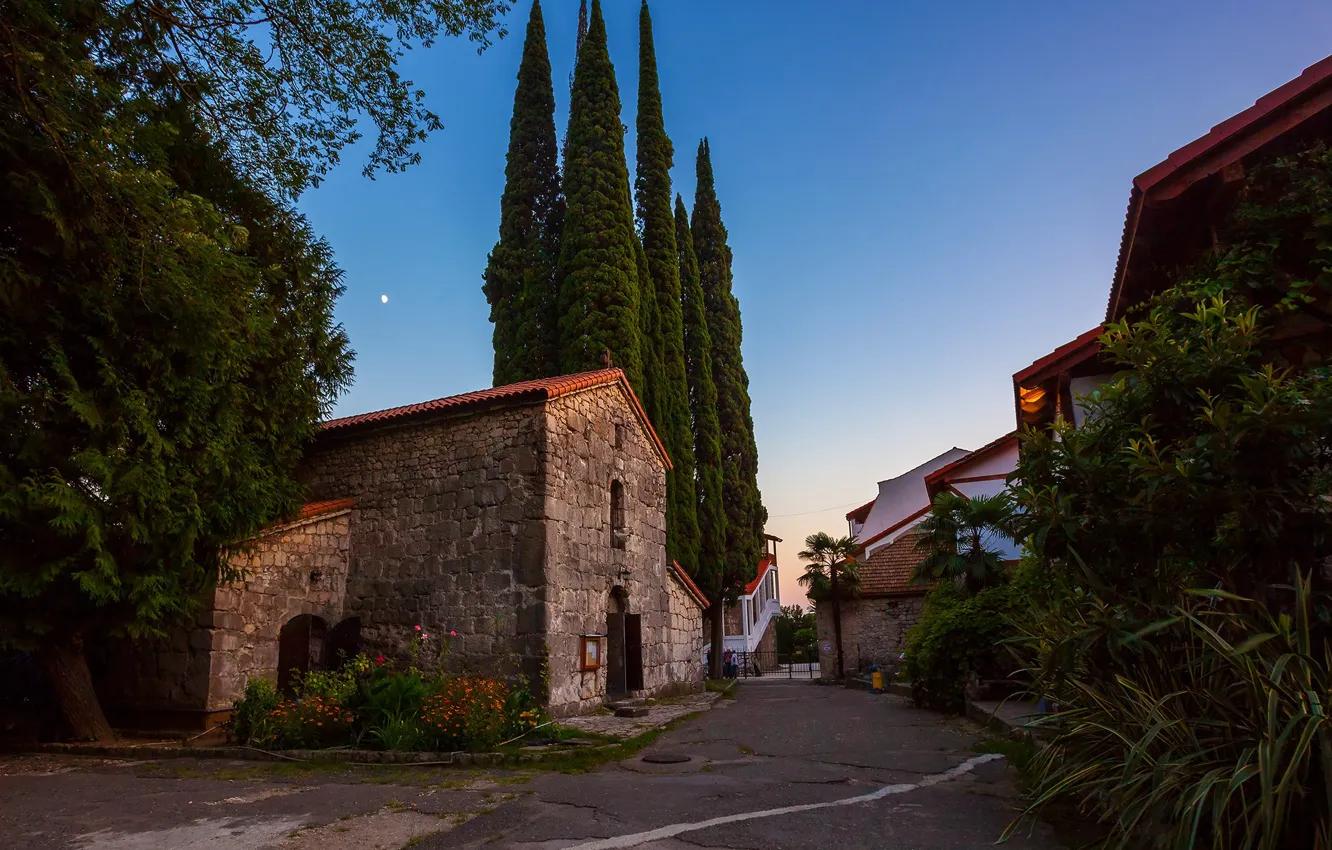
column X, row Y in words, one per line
column 876, row 682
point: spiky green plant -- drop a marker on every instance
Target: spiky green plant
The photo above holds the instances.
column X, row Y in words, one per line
column 962, row 540
column 1215, row 735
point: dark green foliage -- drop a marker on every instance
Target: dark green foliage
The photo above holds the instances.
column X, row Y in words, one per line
column 520, row 279
column 708, row 569
column 796, row 629
column 598, row 266
column 959, row 635
column 822, row 552
column 661, row 284
column 167, row 345
column 962, row 540
column 745, row 514
column 1197, row 717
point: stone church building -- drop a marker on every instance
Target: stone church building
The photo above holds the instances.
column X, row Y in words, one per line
column 523, row 526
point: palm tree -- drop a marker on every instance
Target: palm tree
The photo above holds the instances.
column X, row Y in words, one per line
column 961, row 539
column 828, row 557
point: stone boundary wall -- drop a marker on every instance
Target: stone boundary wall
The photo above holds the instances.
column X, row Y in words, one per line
column 873, row 631
column 685, row 640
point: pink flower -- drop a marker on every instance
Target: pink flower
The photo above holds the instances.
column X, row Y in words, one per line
column 418, row 628
column 379, row 660
column 453, row 634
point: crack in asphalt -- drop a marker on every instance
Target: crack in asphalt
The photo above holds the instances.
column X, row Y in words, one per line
column 675, row 830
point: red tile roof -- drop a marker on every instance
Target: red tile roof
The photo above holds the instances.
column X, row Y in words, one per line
column 688, row 583
column 1064, row 357
column 310, row 510
column 765, row 563
column 943, row 473
column 1272, row 116
column 530, row 392
column 894, row 527
column 888, row 571
column 862, row 513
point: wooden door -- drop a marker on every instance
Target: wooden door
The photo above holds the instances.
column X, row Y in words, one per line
column 633, row 652
column 615, row 667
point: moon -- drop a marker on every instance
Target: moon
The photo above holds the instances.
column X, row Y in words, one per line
column 383, row 299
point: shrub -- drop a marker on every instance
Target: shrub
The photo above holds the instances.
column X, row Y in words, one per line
column 466, row 713
column 958, row 635
column 1214, row 733
column 251, row 720
column 311, row 723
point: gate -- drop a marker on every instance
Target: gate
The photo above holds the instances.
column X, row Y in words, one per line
column 802, row 662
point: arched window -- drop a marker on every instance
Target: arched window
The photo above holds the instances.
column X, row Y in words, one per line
column 619, row 534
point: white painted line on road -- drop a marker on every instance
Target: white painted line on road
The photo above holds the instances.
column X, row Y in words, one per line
column 675, row 829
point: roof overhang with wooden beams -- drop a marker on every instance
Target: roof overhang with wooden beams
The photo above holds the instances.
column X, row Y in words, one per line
column 1175, row 205
column 523, row 393
column 970, row 469
column 1042, row 391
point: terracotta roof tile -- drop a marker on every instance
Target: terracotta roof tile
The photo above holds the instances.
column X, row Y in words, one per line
column 1065, row 356
column 542, row 389
column 689, row 584
column 764, row 564
column 313, row 509
column 1272, row 116
column 888, row 571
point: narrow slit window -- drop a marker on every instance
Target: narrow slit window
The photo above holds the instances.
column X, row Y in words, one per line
column 619, row 534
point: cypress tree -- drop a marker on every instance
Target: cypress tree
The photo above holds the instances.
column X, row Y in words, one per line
column 708, row 569
column 745, row 514
column 578, row 48
column 598, row 267
column 664, row 344
column 520, row 278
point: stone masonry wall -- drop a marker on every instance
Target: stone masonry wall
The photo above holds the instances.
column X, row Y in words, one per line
column 873, row 632
column 595, row 439
column 448, row 533
column 685, row 639
column 204, row 667
column 280, row 583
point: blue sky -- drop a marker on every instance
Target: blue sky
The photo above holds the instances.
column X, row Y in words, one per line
column 921, row 199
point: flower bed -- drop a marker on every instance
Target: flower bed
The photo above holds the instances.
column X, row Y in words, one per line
column 379, row 705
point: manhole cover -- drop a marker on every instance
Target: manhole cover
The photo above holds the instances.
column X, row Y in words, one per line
column 665, row 758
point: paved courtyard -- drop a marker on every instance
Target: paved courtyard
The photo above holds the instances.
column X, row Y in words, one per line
column 784, row 765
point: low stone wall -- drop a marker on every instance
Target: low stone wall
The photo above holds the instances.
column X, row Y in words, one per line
column 684, row 639
column 873, row 632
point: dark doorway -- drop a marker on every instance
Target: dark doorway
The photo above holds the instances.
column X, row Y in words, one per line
column 300, row 647
column 633, row 652
column 343, row 644
column 615, row 618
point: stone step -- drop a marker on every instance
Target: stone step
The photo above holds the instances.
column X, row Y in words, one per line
column 625, row 702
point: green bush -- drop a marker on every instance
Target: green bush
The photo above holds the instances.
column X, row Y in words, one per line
column 958, row 635
column 251, row 720
column 1214, row 733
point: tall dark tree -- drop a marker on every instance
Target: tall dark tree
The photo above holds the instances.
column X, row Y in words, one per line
column 520, row 278
column 661, row 293
column 167, row 346
column 578, row 48
column 710, row 569
column 745, row 514
column 598, row 255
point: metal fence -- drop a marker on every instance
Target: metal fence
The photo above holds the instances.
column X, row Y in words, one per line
column 800, row 663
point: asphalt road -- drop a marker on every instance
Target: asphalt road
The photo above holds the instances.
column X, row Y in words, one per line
column 784, row 765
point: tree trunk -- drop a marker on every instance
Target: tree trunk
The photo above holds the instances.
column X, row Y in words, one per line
column 67, row 668
column 837, row 621
column 716, row 616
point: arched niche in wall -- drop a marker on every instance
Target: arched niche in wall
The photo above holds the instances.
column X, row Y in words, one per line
column 300, row 648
